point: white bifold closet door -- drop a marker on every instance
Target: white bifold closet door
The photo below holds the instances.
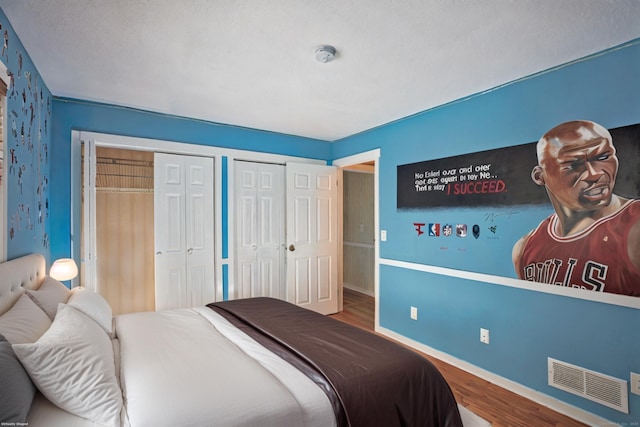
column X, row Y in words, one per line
column 184, row 231
column 260, row 230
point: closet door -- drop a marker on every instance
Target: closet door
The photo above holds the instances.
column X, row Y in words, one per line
column 260, row 253
column 184, row 240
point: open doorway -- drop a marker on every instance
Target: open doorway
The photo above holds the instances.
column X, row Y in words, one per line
column 360, row 243
column 123, row 229
column 358, row 233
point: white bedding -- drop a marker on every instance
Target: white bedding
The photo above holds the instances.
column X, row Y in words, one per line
column 43, row 413
column 186, row 367
column 191, row 367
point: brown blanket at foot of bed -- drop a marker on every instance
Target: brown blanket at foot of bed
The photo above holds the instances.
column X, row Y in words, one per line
column 376, row 381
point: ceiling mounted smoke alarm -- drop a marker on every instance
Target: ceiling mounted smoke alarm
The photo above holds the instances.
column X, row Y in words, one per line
column 325, row 53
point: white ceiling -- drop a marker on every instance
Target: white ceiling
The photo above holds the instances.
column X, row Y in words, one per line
column 251, row 63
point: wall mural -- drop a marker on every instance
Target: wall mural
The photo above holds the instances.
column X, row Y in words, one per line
column 26, row 160
column 582, row 179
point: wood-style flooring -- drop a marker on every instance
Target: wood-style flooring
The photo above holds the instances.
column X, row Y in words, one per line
column 493, row 403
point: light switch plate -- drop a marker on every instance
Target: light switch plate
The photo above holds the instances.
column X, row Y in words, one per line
column 383, row 235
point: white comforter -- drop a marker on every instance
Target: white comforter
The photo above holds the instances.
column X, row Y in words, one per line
column 190, row 367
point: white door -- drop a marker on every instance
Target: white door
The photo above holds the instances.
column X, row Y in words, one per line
column 260, row 253
column 312, row 237
column 183, row 205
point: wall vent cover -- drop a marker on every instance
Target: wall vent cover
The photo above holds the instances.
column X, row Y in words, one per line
column 600, row 388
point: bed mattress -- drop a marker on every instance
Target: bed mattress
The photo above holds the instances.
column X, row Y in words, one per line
column 192, row 367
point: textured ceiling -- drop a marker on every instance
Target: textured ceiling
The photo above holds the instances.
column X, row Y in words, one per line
column 251, row 63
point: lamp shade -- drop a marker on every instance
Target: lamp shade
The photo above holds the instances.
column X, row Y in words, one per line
column 64, row 269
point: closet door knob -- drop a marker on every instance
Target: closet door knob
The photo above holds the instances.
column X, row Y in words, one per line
column 292, row 248
column 159, row 253
column 190, row 251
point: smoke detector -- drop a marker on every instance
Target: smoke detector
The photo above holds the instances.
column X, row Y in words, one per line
column 325, row 53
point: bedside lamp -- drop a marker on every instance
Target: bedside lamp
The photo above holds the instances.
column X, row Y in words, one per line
column 64, row 269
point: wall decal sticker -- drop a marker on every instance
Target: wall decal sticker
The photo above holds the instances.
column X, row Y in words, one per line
column 575, row 191
column 26, row 150
column 592, row 240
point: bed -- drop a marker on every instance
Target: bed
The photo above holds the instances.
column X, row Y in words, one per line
column 66, row 361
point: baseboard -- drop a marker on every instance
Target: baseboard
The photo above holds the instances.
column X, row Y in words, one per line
column 357, row 289
column 540, row 398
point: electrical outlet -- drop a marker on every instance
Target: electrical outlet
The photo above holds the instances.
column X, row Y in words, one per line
column 484, row 335
column 635, row 383
column 414, row 313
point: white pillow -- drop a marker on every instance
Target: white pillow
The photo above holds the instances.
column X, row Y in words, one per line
column 93, row 305
column 49, row 295
column 72, row 364
column 25, row 322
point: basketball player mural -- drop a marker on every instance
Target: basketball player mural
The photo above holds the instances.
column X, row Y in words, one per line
column 592, row 241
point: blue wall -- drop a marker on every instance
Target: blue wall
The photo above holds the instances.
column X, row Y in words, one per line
column 27, row 150
column 86, row 116
column 526, row 326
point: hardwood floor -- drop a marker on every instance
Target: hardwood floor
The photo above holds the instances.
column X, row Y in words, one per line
column 495, row 404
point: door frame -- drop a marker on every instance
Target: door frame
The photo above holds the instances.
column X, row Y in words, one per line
column 88, row 276
column 355, row 159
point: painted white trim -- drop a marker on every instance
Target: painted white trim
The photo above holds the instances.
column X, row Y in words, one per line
column 536, row 396
column 231, row 228
column 184, row 148
column 217, row 227
column 367, row 156
column 340, row 219
column 89, row 246
column 603, row 297
column 371, row 156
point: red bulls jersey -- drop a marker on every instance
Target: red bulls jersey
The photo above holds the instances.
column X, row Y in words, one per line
column 595, row 258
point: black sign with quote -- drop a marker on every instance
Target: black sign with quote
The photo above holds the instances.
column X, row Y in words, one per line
column 500, row 177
